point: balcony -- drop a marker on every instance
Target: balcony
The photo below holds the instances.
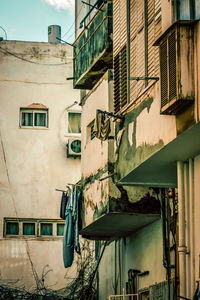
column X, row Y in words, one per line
column 108, row 216
column 93, row 49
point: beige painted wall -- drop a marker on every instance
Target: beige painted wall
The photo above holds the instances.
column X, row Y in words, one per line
column 36, row 159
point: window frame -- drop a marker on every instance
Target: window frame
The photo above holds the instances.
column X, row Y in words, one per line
column 37, row 223
column 70, row 134
column 34, row 111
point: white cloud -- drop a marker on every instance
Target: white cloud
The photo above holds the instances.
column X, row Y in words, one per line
column 61, row 4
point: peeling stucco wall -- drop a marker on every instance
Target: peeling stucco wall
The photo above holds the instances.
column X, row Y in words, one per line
column 142, row 132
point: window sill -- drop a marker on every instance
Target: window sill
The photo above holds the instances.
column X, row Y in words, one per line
column 73, row 135
column 34, row 128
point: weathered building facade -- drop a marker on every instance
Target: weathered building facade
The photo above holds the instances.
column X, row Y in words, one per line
column 38, row 124
column 140, row 185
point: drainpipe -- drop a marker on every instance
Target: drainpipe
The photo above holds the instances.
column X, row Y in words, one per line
column 187, row 228
column 192, row 243
column 181, row 219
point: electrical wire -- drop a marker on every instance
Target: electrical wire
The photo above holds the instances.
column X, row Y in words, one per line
column 30, row 61
column 73, row 22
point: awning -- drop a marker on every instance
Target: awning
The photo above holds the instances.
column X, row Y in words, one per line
column 160, row 169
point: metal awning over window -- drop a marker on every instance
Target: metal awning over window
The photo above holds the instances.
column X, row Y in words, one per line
column 160, row 169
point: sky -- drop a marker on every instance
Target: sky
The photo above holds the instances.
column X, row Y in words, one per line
column 28, row 20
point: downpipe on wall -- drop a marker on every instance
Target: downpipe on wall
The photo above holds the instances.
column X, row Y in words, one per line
column 192, row 240
column 181, row 218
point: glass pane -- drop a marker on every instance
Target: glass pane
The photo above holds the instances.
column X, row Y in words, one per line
column 74, row 122
column 12, row 228
column 184, row 10
column 29, row 228
column 40, row 119
column 46, row 229
column 60, row 229
column 197, row 9
column 27, row 119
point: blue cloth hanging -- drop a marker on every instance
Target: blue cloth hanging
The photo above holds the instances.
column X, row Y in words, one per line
column 68, row 239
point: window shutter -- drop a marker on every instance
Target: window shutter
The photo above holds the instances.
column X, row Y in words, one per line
column 172, row 66
column 119, row 25
column 163, row 72
column 120, row 80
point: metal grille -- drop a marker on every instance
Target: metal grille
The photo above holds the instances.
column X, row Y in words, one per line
column 124, row 297
column 172, row 65
column 163, row 72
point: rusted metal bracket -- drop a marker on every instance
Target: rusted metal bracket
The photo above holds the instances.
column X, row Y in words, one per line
column 144, row 78
column 109, row 114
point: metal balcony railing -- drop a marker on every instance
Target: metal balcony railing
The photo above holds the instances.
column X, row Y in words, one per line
column 93, row 49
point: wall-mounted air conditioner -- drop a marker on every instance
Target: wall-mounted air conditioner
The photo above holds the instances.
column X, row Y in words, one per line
column 74, row 147
column 177, row 68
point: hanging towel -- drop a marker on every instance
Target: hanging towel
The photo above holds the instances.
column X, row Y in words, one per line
column 68, row 239
column 101, row 126
column 63, row 205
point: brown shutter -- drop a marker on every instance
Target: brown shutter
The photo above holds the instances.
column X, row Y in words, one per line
column 120, row 80
column 119, row 25
column 163, row 73
column 172, row 65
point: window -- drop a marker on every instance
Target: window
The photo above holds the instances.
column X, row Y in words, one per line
column 90, row 131
column 12, row 228
column 60, row 229
column 74, row 122
column 28, row 228
column 186, row 10
column 145, row 28
column 33, row 228
column 33, row 118
column 46, row 229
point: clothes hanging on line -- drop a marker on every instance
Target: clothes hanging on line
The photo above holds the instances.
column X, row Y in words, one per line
column 63, row 204
column 101, row 126
column 71, row 230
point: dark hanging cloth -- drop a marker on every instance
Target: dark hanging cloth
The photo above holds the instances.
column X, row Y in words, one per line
column 101, row 126
column 75, row 215
column 71, row 230
column 68, row 239
column 197, row 293
column 63, row 205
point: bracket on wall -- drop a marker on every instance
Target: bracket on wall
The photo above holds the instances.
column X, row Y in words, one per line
column 144, row 78
column 110, row 114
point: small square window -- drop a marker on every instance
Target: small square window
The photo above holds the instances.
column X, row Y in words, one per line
column 12, row 228
column 60, row 229
column 46, row 229
column 28, row 228
column 74, row 122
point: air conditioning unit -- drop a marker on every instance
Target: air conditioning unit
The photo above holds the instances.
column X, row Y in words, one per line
column 177, row 68
column 74, row 147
